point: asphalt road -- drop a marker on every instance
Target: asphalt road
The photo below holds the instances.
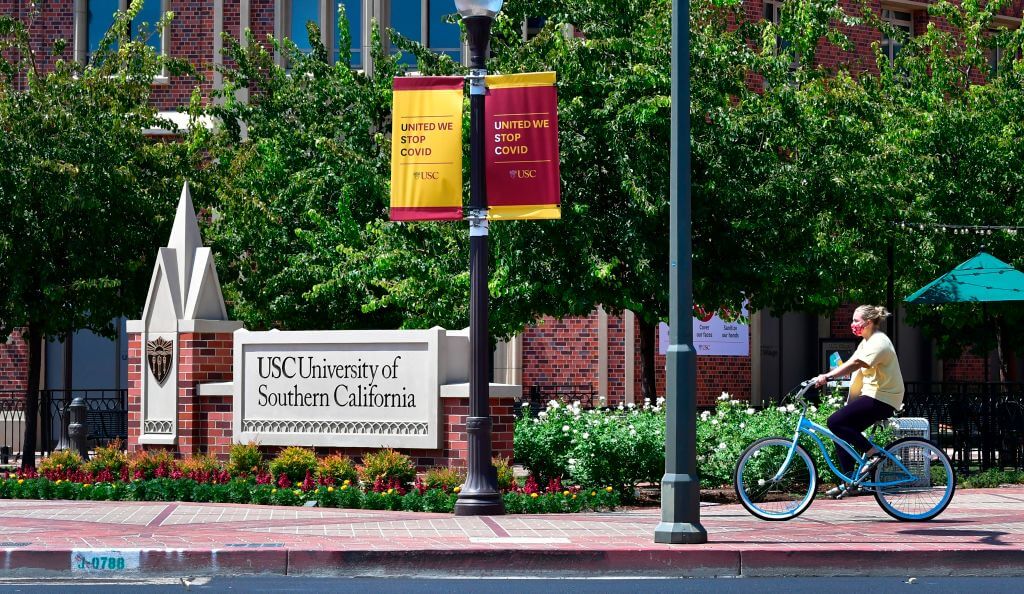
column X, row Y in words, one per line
column 517, row 585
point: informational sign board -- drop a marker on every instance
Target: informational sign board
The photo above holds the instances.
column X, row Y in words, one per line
column 521, row 140
column 338, row 388
column 426, row 148
column 713, row 336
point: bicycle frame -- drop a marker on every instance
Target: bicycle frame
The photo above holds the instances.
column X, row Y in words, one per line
column 808, row 427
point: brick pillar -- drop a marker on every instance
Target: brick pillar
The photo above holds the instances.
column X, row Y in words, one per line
column 202, row 358
column 134, row 390
column 455, row 409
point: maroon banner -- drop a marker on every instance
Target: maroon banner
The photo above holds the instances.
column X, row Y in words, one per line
column 521, row 130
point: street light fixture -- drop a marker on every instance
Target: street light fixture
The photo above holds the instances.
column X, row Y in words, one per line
column 680, row 487
column 479, row 496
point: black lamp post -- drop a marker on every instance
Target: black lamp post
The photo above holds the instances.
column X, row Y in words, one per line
column 680, row 487
column 479, row 496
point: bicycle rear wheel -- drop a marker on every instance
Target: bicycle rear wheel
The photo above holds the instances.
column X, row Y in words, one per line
column 932, row 488
column 766, row 496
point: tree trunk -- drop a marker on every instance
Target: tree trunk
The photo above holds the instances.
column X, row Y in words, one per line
column 648, row 380
column 1007, row 358
column 28, row 455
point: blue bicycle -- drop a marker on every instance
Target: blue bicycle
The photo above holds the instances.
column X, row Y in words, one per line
column 776, row 479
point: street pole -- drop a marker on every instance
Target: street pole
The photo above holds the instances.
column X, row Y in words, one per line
column 479, row 495
column 680, row 487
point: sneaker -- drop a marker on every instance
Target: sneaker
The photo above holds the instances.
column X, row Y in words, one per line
column 846, row 490
column 870, row 465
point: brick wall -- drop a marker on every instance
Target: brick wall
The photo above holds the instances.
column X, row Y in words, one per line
column 968, row 368
column 14, row 363
column 566, row 352
column 215, row 433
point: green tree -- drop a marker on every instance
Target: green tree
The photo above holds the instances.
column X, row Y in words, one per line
column 85, row 194
column 299, row 187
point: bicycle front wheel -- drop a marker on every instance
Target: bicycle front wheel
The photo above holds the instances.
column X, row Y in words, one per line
column 768, row 487
column 930, row 489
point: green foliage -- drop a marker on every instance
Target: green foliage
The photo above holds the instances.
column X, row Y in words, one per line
column 61, row 460
column 148, row 461
column 108, row 457
column 387, row 465
column 293, row 462
column 87, row 196
column 246, row 459
column 445, row 479
column 506, row 474
column 625, row 447
column 338, row 468
column 993, row 477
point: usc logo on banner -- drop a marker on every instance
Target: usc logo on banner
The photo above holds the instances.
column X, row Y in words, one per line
column 426, row 149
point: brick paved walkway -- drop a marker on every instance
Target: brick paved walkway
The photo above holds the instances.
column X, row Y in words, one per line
column 981, row 533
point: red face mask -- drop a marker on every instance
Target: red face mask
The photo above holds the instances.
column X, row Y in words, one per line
column 857, row 328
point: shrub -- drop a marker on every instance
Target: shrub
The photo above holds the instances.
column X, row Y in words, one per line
column 246, row 459
column 149, row 464
column 61, row 461
column 293, row 462
column 444, row 478
column 109, row 458
column 386, row 466
column 199, row 464
column 626, row 446
column 990, row 478
column 336, row 469
column 506, row 475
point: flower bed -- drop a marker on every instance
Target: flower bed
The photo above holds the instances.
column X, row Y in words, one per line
column 625, row 446
column 386, row 481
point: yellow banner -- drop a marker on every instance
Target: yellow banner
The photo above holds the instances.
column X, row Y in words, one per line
column 426, row 148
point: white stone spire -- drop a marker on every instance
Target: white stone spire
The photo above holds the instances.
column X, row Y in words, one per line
column 185, row 240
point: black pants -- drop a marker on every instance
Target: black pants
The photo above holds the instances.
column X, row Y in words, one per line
column 849, row 423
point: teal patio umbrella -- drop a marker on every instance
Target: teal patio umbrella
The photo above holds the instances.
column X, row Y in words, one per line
column 982, row 279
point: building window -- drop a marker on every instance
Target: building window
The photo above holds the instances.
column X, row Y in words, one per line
column 904, row 21
column 95, row 17
column 773, row 14
column 426, row 22
column 296, row 14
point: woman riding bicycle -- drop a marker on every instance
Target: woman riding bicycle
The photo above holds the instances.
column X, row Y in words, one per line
column 876, row 388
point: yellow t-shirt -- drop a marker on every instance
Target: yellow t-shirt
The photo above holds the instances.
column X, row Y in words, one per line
column 881, row 379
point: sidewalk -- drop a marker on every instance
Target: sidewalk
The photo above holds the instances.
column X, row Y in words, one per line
column 981, row 533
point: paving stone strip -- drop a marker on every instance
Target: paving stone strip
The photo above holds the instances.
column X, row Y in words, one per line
column 981, row 533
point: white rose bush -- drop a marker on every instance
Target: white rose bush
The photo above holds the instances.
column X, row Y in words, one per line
column 625, row 446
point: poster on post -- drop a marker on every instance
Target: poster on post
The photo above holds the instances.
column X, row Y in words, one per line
column 521, row 124
column 713, row 336
column 426, row 148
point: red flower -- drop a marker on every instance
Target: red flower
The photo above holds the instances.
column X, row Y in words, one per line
column 531, row 486
column 308, row 484
column 283, row 482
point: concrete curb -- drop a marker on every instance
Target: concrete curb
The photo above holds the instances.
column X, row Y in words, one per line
column 681, row 562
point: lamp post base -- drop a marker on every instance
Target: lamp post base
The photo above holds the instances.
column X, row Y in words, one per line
column 680, row 533
column 479, row 504
column 680, row 501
